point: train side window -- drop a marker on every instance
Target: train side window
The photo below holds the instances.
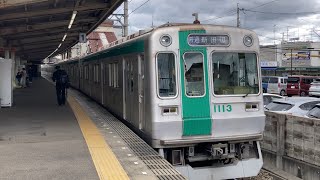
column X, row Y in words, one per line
column 194, row 74
column 94, row 73
column 166, row 75
column 97, row 73
column 115, row 75
column 105, row 73
column 86, row 73
column 110, row 75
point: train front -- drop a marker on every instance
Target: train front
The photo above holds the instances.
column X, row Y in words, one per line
column 221, row 104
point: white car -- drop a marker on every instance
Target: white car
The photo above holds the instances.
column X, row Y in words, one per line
column 275, row 85
column 298, row 106
column 314, row 89
column 268, row 98
column 314, row 112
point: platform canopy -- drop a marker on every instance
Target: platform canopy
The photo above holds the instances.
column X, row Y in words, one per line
column 35, row 28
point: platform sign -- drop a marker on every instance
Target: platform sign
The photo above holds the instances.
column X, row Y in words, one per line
column 297, row 58
column 82, row 38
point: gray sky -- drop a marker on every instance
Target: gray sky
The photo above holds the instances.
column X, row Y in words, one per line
column 298, row 18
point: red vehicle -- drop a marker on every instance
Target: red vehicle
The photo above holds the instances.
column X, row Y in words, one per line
column 299, row 85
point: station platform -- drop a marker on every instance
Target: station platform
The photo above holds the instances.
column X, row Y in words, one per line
column 81, row 140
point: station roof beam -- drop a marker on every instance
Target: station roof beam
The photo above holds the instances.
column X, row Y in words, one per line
column 35, row 26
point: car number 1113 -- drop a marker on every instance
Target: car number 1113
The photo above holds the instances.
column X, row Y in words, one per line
column 222, row 108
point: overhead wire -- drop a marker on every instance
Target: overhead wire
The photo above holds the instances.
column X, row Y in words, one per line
column 139, row 7
column 219, row 17
column 282, row 13
column 235, row 12
column 263, row 4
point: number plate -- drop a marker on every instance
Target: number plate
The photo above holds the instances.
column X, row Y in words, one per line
column 292, row 87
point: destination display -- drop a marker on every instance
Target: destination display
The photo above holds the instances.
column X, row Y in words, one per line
column 208, row 40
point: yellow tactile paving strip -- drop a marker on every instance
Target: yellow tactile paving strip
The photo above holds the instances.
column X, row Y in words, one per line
column 107, row 165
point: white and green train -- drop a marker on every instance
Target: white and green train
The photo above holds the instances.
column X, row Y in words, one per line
column 193, row 92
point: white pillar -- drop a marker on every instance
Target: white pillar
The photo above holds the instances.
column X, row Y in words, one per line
column 13, row 70
column 17, row 64
column 12, row 55
column 6, row 54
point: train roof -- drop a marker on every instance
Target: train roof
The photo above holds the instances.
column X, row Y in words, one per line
column 141, row 33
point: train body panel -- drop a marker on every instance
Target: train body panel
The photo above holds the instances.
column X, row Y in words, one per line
column 191, row 91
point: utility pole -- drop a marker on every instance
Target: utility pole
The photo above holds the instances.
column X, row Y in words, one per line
column 274, row 34
column 291, row 63
column 274, row 42
column 287, row 33
column 238, row 15
column 126, row 17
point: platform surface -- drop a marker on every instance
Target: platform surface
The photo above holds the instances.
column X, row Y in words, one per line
column 41, row 140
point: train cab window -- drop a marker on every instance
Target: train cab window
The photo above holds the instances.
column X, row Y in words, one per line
column 166, row 75
column 193, row 73
column 235, row 73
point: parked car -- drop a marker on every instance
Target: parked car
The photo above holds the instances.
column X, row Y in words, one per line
column 314, row 112
column 268, row 98
column 298, row 106
column 274, row 85
column 314, row 89
column 299, row 85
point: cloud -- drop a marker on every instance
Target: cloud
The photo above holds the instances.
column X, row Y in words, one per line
column 271, row 18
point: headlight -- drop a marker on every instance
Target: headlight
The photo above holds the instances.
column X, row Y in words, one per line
column 165, row 40
column 248, row 41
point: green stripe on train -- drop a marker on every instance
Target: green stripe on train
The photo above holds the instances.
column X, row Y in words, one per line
column 195, row 110
column 127, row 48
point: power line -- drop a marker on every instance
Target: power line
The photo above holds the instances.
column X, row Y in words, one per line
column 219, row 17
column 263, row 4
column 139, row 6
column 118, row 10
column 235, row 12
column 263, row 12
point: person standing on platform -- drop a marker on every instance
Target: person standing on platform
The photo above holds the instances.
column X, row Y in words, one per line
column 18, row 77
column 24, row 78
column 30, row 74
column 62, row 83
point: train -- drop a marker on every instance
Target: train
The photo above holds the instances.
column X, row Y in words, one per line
column 192, row 91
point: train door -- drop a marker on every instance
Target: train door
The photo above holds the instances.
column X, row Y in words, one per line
column 195, row 89
column 141, row 91
column 124, row 85
column 128, row 89
column 132, row 94
column 102, row 81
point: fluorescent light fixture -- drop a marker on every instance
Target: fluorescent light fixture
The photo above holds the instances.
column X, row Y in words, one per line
column 64, row 37
column 74, row 13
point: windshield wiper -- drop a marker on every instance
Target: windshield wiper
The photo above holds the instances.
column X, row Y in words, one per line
column 249, row 90
column 246, row 94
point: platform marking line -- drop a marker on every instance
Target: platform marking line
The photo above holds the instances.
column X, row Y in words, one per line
column 107, row 165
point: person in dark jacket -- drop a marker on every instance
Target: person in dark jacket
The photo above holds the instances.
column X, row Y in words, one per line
column 62, row 83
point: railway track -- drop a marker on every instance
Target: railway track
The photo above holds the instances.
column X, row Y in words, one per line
column 266, row 175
